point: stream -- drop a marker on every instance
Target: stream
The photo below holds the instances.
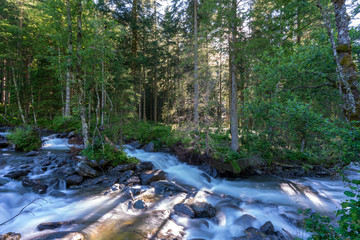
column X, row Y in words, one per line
column 239, row 203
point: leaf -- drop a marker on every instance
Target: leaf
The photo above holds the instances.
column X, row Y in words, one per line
column 349, row 194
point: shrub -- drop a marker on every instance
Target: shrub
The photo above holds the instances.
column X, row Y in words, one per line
column 25, row 139
column 65, row 124
column 99, row 151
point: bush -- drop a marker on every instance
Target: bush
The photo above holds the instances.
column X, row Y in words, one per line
column 99, row 151
column 25, row 139
column 66, row 124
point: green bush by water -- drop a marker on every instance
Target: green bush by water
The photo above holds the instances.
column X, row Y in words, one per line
column 25, row 139
column 99, row 151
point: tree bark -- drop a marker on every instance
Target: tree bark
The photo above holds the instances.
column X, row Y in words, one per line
column 18, row 97
column 69, row 62
column 82, row 104
column 234, row 122
column 196, row 84
column 348, row 67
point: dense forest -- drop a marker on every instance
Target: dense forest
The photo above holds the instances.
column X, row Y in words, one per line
column 236, row 84
column 274, row 77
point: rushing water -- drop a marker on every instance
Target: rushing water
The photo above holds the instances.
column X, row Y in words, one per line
column 264, row 198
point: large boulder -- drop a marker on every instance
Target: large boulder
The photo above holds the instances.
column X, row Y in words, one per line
column 151, row 176
column 17, row 174
column 150, row 147
column 74, row 180
column 203, row 210
column 184, row 210
column 167, row 188
column 135, row 145
column 245, row 221
column 84, row 170
column 10, row 236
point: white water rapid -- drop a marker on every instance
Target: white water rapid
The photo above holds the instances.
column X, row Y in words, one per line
column 264, row 198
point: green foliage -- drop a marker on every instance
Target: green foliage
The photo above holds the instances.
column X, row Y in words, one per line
column 348, row 224
column 160, row 134
column 99, row 151
column 65, row 124
column 25, row 139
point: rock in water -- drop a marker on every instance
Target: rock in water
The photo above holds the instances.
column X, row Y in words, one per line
column 139, row 204
column 184, row 210
column 32, row 154
column 150, row 147
column 167, row 188
column 268, row 228
column 145, row 166
column 17, row 174
column 40, row 188
column 74, row 180
column 10, row 236
column 84, row 170
column 151, row 176
column 53, row 225
column 203, row 210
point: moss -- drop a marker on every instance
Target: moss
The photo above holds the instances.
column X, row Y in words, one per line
column 347, row 62
column 343, row 48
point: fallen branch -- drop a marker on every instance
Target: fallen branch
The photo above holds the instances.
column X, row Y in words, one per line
column 22, row 210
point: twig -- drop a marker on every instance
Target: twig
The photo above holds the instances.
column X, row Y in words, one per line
column 22, row 210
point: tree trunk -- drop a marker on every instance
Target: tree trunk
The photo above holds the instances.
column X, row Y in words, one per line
column 234, row 125
column 196, row 84
column 82, row 104
column 69, row 62
column 18, row 97
column 348, row 67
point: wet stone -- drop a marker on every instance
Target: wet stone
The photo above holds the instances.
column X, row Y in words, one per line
column 17, row 174
column 203, row 210
column 124, row 167
column 74, row 180
column 145, row 166
column 10, row 236
column 125, row 175
column 184, row 210
column 268, row 228
column 84, row 170
column 53, row 225
column 151, row 176
column 139, row 204
column 32, row 154
column 62, row 236
column 133, row 180
column 29, row 182
column 167, row 188
column 150, row 147
column 245, row 220
column 40, row 188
